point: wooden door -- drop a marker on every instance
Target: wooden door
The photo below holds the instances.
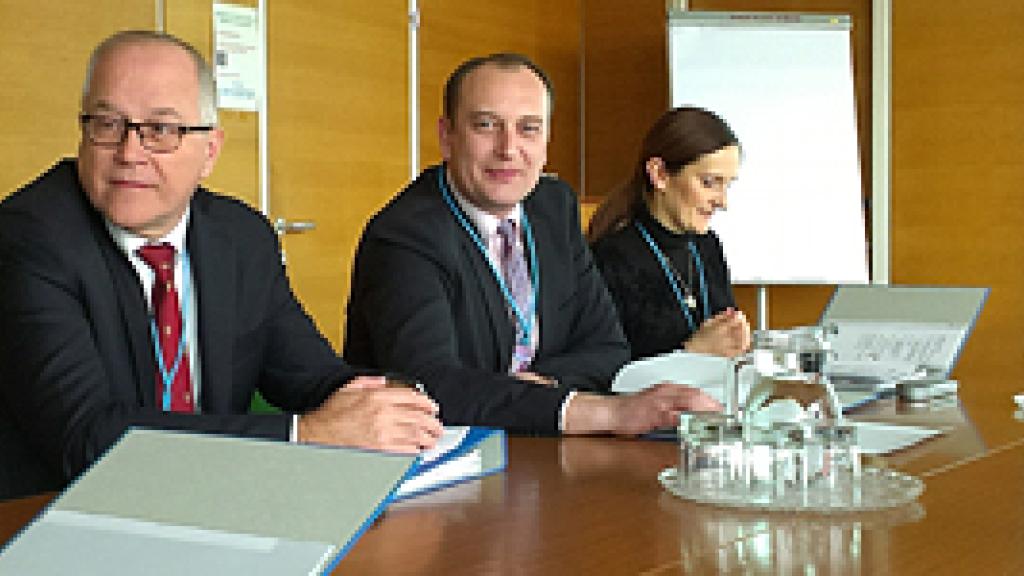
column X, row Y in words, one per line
column 339, row 135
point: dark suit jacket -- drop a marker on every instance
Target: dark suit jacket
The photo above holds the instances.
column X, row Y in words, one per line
column 76, row 359
column 424, row 302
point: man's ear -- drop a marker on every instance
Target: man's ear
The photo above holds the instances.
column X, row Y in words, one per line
column 444, row 130
column 214, row 144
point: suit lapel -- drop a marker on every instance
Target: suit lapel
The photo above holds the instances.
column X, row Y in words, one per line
column 494, row 301
column 482, row 282
column 210, row 253
column 549, row 275
column 113, row 292
column 134, row 317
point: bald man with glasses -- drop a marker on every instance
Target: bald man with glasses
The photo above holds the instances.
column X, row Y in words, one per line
column 132, row 296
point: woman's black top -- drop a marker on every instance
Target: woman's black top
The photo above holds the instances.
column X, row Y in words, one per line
column 647, row 306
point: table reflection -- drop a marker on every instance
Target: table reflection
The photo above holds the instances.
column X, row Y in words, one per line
column 716, row 540
column 960, row 437
column 583, row 458
column 719, row 540
column 411, row 536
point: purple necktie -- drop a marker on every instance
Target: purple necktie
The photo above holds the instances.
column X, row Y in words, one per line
column 517, row 279
column 167, row 315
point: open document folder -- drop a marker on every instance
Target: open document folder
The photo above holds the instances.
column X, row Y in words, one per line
column 883, row 334
column 464, row 453
column 167, row 503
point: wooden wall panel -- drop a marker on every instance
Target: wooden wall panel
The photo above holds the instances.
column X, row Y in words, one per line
column 236, row 173
column 546, row 31
column 958, row 169
column 626, row 87
column 45, row 47
column 339, row 135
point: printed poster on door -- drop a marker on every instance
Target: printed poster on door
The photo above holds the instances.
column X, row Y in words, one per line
column 236, row 56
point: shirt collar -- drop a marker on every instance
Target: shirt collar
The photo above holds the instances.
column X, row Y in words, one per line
column 484, row 222
column 129, row 242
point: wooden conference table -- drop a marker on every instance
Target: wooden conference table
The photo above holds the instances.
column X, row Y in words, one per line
column 593, row 506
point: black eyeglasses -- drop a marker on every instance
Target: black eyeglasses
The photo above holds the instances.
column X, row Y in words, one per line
column 160, row 137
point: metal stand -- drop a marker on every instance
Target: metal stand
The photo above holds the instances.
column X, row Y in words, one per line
column 762, row 307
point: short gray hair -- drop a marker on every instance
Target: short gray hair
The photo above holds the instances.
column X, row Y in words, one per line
column 204, row 74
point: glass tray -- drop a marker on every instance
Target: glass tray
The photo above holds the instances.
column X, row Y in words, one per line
column 879, row 489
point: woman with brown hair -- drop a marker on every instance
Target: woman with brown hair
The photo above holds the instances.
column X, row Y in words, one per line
column 651, row 238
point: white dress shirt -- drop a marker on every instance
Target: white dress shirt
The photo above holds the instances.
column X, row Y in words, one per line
column 129, row 243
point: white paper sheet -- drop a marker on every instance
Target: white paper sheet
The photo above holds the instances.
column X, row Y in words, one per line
column 877, row 438
column 450, row 438
column 709, row 373
column 236, row 56
column 925, row 344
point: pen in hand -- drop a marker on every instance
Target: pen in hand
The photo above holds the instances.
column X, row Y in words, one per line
column 396, row 380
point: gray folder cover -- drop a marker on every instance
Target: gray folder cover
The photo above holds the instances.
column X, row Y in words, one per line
column 957, row 308
column 177, row 503
column 930, row 304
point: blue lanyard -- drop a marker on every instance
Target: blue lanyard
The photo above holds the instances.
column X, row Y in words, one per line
column 525, row 320
column 672, row 277
column 168, row 375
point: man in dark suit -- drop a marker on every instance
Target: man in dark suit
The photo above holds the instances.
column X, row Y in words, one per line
column 81, row 355
column 476, row 278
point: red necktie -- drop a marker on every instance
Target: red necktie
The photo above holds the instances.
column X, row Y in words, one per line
column 167, row 317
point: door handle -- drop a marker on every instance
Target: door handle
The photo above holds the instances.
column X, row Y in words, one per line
column 282, row 226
